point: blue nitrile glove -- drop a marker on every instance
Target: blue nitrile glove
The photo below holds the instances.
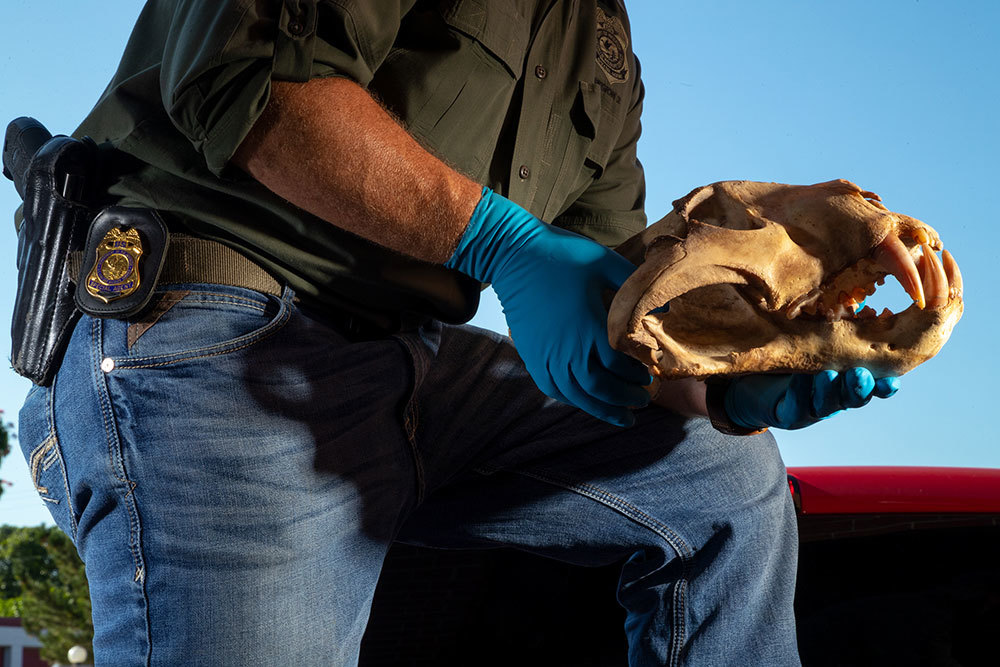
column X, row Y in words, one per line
column 550, row 283
column 799, row 400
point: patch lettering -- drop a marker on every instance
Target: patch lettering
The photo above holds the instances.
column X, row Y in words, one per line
column 612, row 47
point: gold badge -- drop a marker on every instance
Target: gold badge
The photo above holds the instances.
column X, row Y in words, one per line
column 612, row 47
column 116, row 272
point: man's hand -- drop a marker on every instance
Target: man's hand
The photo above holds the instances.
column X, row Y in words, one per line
column 800, row 400
column 550, row 283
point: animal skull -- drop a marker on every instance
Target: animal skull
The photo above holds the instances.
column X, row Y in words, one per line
column 766, row 277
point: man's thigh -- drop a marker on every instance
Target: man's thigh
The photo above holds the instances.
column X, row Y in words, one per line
column 702, row 521
column 232, row 478
column 476, row 413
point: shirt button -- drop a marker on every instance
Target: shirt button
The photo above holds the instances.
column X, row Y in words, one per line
column 540, row 72
column 524, row 172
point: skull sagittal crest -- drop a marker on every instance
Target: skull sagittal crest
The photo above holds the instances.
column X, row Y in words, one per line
column 766, row 277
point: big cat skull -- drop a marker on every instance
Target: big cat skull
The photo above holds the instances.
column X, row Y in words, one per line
column 766, row 277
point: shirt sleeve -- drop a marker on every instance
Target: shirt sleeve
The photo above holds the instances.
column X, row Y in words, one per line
column 220, row 57
column 612, row 208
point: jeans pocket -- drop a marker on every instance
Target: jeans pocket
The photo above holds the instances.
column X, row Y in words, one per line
column 46, row 464
column 197, row 321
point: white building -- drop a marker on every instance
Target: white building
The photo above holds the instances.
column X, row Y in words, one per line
column 17, row 647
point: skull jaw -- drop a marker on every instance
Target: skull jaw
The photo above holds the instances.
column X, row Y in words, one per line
column 675, row 345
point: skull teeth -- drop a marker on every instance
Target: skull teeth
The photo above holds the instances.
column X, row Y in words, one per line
column 893, row 256
column 929, row 280
column 866, row 313
column 839, row 312
column 806, row 301
column 953, row 275
column 933, row 276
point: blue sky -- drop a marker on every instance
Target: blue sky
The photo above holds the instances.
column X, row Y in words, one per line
column 899, row 96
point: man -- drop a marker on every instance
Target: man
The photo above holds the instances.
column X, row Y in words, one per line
column 234, row 461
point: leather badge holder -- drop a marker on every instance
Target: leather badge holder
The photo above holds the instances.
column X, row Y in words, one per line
column 122, row 262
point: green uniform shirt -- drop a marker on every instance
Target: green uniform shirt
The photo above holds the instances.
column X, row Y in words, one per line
column 538, row 99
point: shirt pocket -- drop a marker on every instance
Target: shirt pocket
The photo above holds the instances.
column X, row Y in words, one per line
column 597, row 122
column 451, row 77
column 601, row 124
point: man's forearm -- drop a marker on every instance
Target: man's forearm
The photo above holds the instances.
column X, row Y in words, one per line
column 329, row 148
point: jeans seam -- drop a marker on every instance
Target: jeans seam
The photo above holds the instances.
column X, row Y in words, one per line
column 118, row 471
column 250, row 305
column 627, row 509
column 51, row 406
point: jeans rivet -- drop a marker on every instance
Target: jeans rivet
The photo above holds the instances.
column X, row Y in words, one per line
column 107, row 364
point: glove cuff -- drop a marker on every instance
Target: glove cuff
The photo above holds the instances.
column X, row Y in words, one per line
column 715, row 400
column 497, row 229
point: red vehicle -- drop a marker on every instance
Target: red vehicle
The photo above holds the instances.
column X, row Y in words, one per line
column 898, row 566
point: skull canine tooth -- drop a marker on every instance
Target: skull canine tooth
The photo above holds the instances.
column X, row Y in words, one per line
column 952, row 273
column 936, row 280
column 895, row 258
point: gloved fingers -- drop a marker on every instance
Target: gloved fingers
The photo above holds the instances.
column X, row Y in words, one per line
column 857, row 385
column 545, row 382
column 577, row 396
column 886, row 387
column 827, row 390
column 599, row 382
column 794, row 407
column 755, row 401
column 624, row 367
column 802, row 399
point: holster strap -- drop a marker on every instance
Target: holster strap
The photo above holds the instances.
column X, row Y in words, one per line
column 194, row 260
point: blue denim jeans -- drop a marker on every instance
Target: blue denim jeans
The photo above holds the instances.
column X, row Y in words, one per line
column 234, row 474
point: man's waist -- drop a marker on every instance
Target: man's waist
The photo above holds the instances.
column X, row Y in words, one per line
column 190, row 259
column 195, row 260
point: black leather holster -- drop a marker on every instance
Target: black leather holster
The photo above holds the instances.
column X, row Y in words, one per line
column 57, row 183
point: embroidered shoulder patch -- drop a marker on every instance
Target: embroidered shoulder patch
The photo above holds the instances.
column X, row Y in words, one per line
column 612, row 47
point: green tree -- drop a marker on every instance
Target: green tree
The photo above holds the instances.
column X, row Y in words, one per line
column 39, row 567
column 6, row 436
